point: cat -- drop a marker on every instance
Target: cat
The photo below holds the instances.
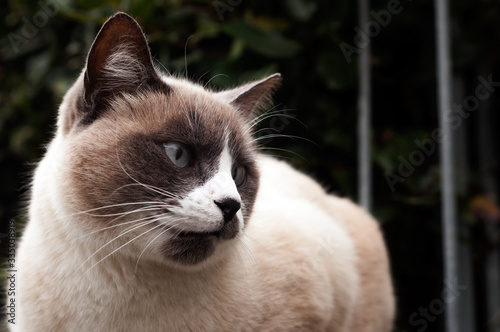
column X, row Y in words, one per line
column 152, row 210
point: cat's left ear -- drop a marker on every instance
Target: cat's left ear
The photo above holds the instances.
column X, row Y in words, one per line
column 251, row 97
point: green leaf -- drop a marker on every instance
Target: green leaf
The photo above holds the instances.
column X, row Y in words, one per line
column 300, row 9
column 334, row 70
column 38, row 66
column 270, row 44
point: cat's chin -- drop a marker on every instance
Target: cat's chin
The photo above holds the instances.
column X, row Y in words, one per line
column 196, row 248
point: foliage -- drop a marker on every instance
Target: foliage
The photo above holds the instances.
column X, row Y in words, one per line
column 223, row 43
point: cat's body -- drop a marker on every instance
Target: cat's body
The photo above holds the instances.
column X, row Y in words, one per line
column 122, row 238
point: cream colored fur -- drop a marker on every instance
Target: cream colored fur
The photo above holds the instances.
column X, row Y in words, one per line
column 307, row 261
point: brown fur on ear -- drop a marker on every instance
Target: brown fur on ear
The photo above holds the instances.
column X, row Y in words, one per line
column 252, row 96
column 118, row 62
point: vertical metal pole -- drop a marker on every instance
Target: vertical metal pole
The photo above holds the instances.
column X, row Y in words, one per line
column 448, row 211
column 364, row 117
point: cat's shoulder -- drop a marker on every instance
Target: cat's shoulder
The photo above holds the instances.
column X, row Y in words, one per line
column 294, row 205
column 291, row 182
column 282, row 176
column 284, row 189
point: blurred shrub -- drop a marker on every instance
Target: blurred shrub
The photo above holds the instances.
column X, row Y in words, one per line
column 223, row 43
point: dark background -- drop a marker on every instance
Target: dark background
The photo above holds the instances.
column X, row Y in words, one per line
column 43, row 46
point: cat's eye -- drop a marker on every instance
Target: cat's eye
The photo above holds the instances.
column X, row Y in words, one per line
column 178, row 153
column 239, row 174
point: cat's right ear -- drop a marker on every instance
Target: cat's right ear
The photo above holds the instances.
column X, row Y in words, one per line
column 119, row 62
column 250, row 97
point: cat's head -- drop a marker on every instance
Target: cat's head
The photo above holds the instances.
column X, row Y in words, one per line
column 156, row 165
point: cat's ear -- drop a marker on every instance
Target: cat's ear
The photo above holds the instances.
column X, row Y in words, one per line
column 119, row 62
column 249, row 98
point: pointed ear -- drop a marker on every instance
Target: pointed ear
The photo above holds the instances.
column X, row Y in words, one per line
column 118, row 62
column 249, row 98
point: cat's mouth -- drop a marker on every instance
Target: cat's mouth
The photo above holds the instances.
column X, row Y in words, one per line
column 192, row 247
column 227, row 232
column 189, row 235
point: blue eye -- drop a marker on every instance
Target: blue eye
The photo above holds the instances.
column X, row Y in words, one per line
column 178, row 153
column 239, row 174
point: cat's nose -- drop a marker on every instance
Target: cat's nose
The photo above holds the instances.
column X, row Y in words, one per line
column 229, row 207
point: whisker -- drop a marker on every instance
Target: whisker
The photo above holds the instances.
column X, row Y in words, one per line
column 142, row 222
column 122, row 214
column 282, row 135
column 163, row 231
column 142, row 234
column 152, row 188
column 266, row 129
column 179, row 231
column 159, row 190
column 158, row 216
column 205, row 85
column 201, row 77
column 272, row 115
column 270, row 112
column 135, row 211
column 152, row 204
column 185, row 56
column 122, row 224
column 283, row 150
column 163, row 191
column 247, row 250
column 117, row 237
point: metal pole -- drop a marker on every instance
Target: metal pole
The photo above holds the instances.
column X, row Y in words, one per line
column 364, row 118
column 448, row 208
